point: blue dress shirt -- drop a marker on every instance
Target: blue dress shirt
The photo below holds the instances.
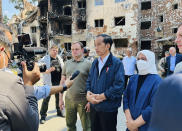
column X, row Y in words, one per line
column 42, row 91
column 102, row 62
column 172, row 63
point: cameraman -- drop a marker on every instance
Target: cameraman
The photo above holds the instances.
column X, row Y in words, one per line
column 19, row 109
column 40, row 92
column 51, row 77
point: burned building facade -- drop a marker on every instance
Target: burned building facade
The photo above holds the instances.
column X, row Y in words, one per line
column 26, row 22
column 55, row 18
column 82, row 20
column 159, row 20
column 117, row 18
column 139, row 24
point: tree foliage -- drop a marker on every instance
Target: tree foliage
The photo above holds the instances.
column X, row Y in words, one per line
column 5, row 19
column 18, row 4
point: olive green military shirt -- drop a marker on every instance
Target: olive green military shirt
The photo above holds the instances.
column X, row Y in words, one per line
column 77, row 92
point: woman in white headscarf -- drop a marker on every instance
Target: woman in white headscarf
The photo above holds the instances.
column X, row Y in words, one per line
column 139, row 94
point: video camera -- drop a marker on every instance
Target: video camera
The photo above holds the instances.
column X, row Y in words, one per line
column 25, row 52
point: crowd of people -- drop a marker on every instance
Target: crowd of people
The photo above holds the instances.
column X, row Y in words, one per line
column 149, row 102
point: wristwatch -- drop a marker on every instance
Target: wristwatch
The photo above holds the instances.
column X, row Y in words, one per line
column 64, row 88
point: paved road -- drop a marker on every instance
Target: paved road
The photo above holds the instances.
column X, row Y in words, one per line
column 55, row 123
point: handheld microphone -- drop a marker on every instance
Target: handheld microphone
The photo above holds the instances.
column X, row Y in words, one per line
column 75, row 74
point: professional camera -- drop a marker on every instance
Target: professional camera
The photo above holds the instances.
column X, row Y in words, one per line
column 23, row 52
column 55, row 64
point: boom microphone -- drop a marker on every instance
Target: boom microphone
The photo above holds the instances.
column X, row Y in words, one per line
column 35, row 50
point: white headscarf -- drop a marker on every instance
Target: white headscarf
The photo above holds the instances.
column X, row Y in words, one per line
column 150, row 61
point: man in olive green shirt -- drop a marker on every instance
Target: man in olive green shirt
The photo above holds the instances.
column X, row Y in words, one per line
column 75, row 100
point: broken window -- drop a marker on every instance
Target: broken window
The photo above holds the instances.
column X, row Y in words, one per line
column 146, row 45
column 67, row 29
column 67, row 46
column 81, row 24
column 99, row 23
column 175, row 6
column 34, row 43
column 161, row 18
column 67, row 10
column 145, row 25
column 84, row 43
column 146, row 5
column 119, row 20
column 119, row 1
column 174, row 30
column 43, row 10
column 99, row 2
column 56, row 27
column 81, row 4
column 121, row 42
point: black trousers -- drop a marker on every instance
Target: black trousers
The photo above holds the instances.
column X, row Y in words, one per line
column 45, row 103
column 103, row 121
column 126, row 81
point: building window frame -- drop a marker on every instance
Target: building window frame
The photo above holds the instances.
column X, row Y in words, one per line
column 150, row 46
column 33, row 29
column 174, row 30
column 121, row 22
column 117, row 1
column 143, row 8
column 81, row 4
column 99, row 22
column 161, row 18
column 67, row 46
column 145, row 23
column 99, row 2
column 175, row 6
column 121, row 42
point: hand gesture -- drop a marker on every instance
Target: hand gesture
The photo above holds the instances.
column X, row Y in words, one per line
column 87, row 107
column 69, row 82
column 30, row 77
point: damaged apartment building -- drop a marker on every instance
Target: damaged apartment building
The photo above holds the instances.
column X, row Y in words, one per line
column 159, row 20
column 55, row 18
column 26, row 22
column 117, row 18
column 82, row 20
column 139, row 24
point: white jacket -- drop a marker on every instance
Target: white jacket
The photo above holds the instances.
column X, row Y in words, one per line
column 47, row 60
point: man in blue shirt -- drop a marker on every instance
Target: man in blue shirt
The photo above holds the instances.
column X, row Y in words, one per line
column 129, row 63
column 105, row 86
column 172, row 60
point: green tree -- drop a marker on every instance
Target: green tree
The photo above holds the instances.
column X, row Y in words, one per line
column 33, row 1
column 5, row 19
column 18, row 4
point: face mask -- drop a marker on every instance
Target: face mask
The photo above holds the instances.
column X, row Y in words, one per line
column 142, row 67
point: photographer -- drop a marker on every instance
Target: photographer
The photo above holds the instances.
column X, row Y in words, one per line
column 51, row 77
column 163, row 65
column 19, row 109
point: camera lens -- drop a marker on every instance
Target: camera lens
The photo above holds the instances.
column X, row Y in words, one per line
column 42, row 67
